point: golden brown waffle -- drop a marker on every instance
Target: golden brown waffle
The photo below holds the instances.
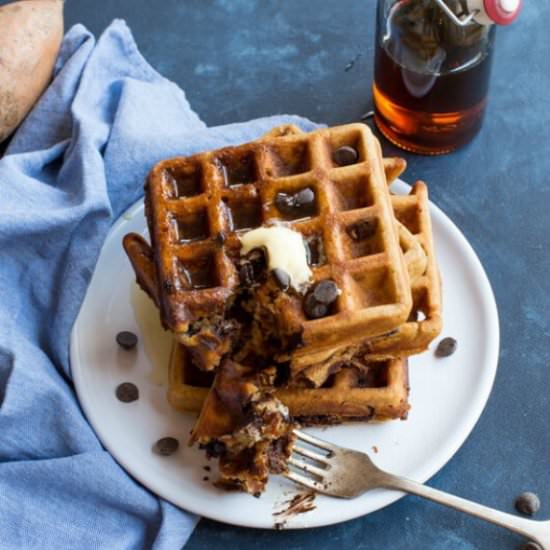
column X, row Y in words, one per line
column 425, row 320
column 196, row 207
column 411, row 337
column 378, row 390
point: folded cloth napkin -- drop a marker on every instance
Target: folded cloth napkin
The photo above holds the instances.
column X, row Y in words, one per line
column 77, row 162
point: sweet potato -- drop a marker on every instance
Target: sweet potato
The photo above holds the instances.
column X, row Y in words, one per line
column 30, row 35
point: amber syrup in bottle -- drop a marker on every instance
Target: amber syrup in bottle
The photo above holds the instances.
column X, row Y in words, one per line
column 431, row 78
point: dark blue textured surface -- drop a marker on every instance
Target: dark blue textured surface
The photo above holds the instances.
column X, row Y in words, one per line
column 239, row 59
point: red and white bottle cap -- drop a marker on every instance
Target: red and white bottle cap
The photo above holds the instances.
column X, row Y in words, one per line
column 501, row 12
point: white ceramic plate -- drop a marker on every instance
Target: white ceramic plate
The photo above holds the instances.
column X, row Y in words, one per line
column 447, row 395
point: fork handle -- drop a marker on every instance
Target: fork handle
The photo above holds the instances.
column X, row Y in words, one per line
column 538, row 531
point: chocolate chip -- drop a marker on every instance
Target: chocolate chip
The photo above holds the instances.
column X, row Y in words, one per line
column 282, row 278
column 325, row 292
column 166, row 446
column 205, row 478
column 285, row 203
column 362, row 229
column 126, row 339
column 127, row 392
column 246, row 274
column 446, row 347
column 305, row 197
column 345, row 155
column 314, row 309
column 303, row 200
column 206, row 468
column 528, row 503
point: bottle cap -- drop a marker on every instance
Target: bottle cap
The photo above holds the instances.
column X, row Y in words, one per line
column 501, row 12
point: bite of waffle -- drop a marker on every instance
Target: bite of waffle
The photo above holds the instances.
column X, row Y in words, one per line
column 258, row 348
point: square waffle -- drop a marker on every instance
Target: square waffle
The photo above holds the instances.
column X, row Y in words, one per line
column 423, row 325
column 377, row 390
column 197, row 206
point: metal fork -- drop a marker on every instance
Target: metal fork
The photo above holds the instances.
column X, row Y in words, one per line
column 344, row 473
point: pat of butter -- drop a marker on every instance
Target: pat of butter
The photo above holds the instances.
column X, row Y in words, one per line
column 286, row 250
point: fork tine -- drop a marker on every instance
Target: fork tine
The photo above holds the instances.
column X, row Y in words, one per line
column 304, row 480
column 316, row 442
column 311, row 454
column 309, row 468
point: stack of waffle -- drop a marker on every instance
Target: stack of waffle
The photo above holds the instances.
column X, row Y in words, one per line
column 251, row 353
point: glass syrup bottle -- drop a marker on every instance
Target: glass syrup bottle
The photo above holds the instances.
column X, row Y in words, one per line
column 432, row 69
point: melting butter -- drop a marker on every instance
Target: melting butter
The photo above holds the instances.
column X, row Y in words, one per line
column 286, row 250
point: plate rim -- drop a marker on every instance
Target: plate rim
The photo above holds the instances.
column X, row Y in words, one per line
column 453, row 444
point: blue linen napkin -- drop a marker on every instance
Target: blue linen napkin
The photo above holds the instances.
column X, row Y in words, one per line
column 76, row 163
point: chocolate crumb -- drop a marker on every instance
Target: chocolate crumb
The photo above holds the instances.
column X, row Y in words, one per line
column 375, row 449
column 207, row 468
column 205, row 478
column 299, row 504
column 127, row 392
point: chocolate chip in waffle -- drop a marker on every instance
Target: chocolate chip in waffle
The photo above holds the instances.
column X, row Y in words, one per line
column 197, row 207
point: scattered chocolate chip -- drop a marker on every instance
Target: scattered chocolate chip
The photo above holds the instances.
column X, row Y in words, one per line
column 343, row 156
column 528, row 503
column 446, row 347
column 325, row 292
column 363, row 229
column 530, row 546
column 127, row 392
column 166, row 446
column 126, row 339
column 282, row 278
column 246, row 274
column 314, row 309
column 207, row 468
column 205, row 478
